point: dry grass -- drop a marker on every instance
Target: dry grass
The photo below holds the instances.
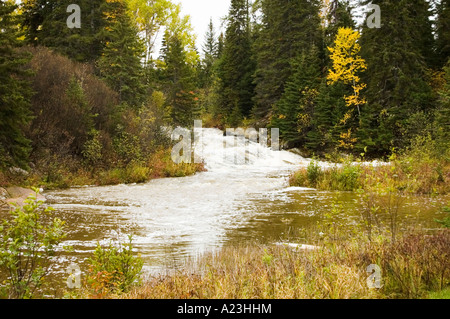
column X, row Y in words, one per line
column 411, row 267
column 257, row 272
column 406, row 175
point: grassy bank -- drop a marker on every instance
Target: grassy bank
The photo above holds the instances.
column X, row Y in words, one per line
column 415, row 266
column 419, row 170
column 68, row 173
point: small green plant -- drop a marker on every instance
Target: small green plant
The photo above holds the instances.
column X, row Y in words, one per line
column 314, row 171
column 267, row 258
column 446, row 221
column 114, row 269
column 348, row 177
column 28, row 241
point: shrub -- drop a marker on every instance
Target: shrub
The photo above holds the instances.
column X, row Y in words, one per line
column 414, row 264
column 313, row 172
column 27, row 243
column 446, row 221
column 114, row 269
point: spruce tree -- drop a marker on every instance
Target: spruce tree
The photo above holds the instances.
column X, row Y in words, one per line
column 293, row 112
column 15, row 92
column 441, row 127
column 287, row 29
column 329, row 110
column 210, row 54
column 120, row 63
column 443, row 32
column 236, row 66
column 178, row 80
column 330, row 107
column 395, row 78
column 45, row 24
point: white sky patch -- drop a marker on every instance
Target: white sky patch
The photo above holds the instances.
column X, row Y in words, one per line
column 201, row 11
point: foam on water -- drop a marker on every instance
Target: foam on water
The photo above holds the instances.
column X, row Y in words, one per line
column 187, row 215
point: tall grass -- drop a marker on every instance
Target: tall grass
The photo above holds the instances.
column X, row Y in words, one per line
column 418, row 170
column 64, row 173
column 344, row 178
column 412, row 266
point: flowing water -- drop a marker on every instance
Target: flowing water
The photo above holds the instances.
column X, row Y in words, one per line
column 174, row 218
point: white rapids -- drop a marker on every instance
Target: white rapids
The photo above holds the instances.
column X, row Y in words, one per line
column 180, row 216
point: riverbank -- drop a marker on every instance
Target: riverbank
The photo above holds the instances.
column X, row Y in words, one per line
column 420, row 170
column 415, row 266
column 15, row 195
column 61, row 175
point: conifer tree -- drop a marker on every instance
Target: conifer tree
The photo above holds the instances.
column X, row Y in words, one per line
column 210, row 55
column 178, row 80
column 120, row 64
column 395, row 77
column 15, row 92
column 45, row 24
column 330, row 107
column 287, row 29
column 441, row 125
column 236, row 66
column 443, row 32
column 293, row 112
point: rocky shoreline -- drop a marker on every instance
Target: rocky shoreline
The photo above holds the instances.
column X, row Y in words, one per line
column 10, row 196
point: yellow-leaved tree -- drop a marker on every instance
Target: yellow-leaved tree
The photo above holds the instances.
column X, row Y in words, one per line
column 346, row 67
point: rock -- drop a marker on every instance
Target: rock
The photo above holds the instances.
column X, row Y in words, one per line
column 3, row 194
column 17, row 195
column 18, row 171
column 299, row 152
column 299, row 246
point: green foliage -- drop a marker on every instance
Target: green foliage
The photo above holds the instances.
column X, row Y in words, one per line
column 28, row 239
column 405, row 88
column 287, row 29
column 92, row 149
column 446, row 221
column 443, row 31
column 114, row 269
column 120, row 62
column 15, row 92
column 236, row 66
column 441, row 123
column 45, row 24
column 267, row 258
column 293, row 113
column 178, row 78
column 313, row 172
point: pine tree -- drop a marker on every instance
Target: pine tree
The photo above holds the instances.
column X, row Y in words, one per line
column 443, row 32
column 288, row 28
column 330, row 107
column 329, row 110
column 210, row 56
column 399, row 90
column 220, row 44
column 45, row 24
column 236, row 66
column 178, row 79
column 15, row 92
column 441, row 125
column 420, row 13
column 120, row 64
column 293, row 112
column 338, row 16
